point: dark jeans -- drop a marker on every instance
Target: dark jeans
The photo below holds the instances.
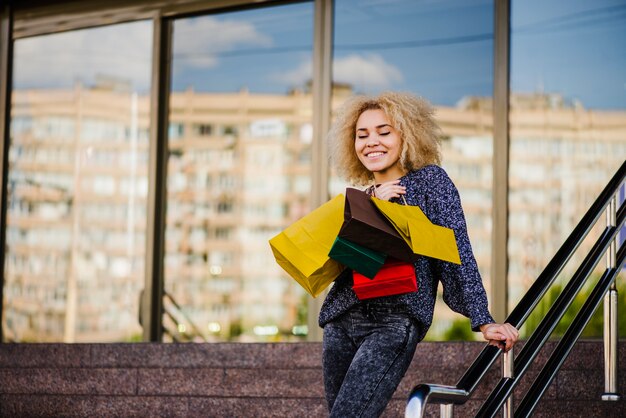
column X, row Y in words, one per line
column 366, row 352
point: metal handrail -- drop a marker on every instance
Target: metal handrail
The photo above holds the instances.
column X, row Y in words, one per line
column 562, row 350
column 548, row 324
column 423, row 393
column 176, row 321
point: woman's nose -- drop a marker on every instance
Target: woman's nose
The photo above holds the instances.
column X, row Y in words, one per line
column 372, row 141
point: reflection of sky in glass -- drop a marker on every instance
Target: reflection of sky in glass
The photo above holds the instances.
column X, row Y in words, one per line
column 575, row 48
column 251, row 49
column 439, row 49
column 88, row 56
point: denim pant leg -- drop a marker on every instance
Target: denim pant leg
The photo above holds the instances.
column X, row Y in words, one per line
column 386, row 346
column 337, row 354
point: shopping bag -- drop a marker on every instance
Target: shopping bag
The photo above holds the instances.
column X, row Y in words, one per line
column 365, row 225
column 419, row 233
column 394, row 278
column 358, row 258
column 302, row 248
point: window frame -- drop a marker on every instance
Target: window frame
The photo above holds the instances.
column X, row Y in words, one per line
column 21, row 19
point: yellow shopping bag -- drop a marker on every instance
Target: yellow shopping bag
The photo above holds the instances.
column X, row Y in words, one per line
column 423, row 236
column 302, row 248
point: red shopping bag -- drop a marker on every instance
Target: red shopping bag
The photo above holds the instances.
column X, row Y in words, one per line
column 394, row 278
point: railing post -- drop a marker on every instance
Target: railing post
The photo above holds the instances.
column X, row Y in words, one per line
column 610, row 316
column 507, row 372
column 446, row 410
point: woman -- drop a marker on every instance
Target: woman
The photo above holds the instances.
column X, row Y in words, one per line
column 391, row 144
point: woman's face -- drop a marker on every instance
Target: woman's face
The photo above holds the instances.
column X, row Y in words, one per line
column 378, row 145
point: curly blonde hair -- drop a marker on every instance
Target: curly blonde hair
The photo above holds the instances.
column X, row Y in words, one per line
column 411, row 116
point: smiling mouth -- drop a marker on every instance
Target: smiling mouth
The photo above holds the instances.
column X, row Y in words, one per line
column 375, row 154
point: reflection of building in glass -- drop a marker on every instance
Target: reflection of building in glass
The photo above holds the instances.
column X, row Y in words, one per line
column 238, row 173
column 76, row 215
column 562, row 155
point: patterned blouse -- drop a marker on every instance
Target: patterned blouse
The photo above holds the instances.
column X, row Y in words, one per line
column 431, row 189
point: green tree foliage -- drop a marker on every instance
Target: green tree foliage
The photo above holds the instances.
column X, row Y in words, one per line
column 303, row 309
column 594, row 328
column 459, row 330
column 235, row 330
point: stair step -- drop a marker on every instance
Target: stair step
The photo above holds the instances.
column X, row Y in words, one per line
column 284, row 379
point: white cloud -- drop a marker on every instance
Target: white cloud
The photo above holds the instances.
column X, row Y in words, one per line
column 366, row 71
column 296, row 77
column 122, row 51
column 363, row 72
column 198, row 42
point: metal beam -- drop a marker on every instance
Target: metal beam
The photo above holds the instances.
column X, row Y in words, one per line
column 6, row 67
column 40, row 18
column 152, row 303
column 322, row 79
column 499, row 255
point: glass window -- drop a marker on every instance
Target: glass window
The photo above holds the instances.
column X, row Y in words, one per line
column 568, row 112
column 442, row 51
column 235, row 101
column 76, row 185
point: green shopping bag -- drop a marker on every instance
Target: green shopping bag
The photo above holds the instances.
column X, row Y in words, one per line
column 358, row 258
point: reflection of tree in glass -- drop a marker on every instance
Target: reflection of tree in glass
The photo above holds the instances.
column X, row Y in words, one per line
column 235, row 330
column 460, row 330
column 594, row 328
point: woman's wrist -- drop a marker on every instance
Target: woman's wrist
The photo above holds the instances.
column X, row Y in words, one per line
column 483, row 327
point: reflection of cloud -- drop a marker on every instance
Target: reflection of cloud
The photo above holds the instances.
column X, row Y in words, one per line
column 58, row 60
column 367, row 71
column 124, row 51
column 296, row 77
column 198, row 42
column 364, row 72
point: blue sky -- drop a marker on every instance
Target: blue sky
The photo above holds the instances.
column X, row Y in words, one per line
column 377, row 46
column 440, row 49
column 576, row 48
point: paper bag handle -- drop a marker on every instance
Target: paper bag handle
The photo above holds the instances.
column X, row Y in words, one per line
column 374, row 194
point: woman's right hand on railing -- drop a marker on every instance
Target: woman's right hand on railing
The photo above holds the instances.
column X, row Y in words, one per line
column 503, row 336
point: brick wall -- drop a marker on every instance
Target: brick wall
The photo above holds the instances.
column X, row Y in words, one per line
column 253, row 380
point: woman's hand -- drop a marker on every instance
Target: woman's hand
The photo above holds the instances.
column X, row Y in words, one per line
column 503, row 336
column 389, row 190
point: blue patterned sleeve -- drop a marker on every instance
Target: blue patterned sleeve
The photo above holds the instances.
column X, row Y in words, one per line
column 463, row 289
